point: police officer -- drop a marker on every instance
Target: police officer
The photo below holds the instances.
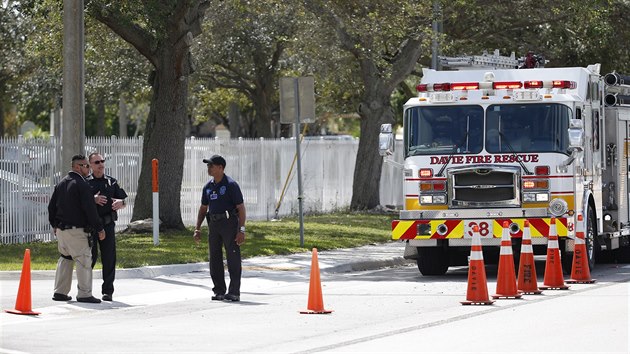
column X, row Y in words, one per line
column 71, row 211
column 222, row 204
column 110, row 198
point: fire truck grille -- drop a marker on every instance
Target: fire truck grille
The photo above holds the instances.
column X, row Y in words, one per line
column 484, row 187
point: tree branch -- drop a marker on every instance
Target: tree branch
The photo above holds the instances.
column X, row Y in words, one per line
column 140, row 39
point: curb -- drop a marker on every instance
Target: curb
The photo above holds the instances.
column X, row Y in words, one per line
column 333, row 261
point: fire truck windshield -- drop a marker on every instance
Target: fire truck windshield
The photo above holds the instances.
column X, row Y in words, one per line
column 444, row 129
column 527, row 128
column 509, row 128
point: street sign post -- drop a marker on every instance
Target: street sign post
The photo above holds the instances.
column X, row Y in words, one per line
column 297, row 104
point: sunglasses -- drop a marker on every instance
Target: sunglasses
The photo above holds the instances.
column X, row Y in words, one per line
column 84, row 165
column 98, row 162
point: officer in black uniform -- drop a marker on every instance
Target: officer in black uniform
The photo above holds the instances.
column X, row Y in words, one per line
column 71, row 213
column 110, row 198
column 222, row 204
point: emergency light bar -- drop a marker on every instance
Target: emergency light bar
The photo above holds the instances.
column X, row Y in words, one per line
column 498, row 85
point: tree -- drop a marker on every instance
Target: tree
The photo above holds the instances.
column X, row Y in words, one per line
column 386, row 39
column 114, row 70
column 163, row 32
column 568, row 33
column 244, row 44
column 13, row 34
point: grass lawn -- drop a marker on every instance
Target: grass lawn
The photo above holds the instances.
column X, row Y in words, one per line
column 329, row 231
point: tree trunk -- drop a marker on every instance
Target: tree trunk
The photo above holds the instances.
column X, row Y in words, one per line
column 122, row 118
column 234, row 119
column 262, row 105
column 1, row 117
column 368, row 166
column 164, row 138
column 100, row 117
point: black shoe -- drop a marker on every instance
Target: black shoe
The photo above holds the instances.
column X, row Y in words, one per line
column 61, row 297
column 90, row 299
column 230, row 297
column 107, row 297
column 218, row 297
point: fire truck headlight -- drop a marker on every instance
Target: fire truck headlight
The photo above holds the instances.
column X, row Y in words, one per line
column 433, row 199
column 558, row 207
column 535, row 197
column 439, row 199
column 426, row 199
column 542, row 197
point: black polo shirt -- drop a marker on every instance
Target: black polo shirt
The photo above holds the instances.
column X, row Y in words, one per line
column 109, row 187
column 223, row 196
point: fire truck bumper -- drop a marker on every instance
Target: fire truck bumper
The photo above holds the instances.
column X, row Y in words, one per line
column 458, row 232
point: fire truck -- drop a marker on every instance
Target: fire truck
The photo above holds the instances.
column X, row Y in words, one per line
column 507, row 140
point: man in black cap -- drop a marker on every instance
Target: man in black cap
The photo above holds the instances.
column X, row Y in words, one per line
column 222, row 204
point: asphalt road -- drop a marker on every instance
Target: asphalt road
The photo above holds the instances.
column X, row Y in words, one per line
column 392, row 309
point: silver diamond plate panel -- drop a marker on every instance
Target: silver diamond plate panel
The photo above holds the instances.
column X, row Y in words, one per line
column 474, row 213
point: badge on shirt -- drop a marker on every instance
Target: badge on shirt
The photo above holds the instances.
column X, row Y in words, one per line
column 214, row 195
column 222, row 190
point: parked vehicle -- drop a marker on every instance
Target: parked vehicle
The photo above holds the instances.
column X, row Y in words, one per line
column 495, row 144
column 23, row 205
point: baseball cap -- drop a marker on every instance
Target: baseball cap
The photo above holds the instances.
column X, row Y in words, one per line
column 215, row 160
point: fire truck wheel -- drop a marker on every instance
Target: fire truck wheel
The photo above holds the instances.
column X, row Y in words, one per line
column 622, row 254
column 593, row 249
column 432, row 260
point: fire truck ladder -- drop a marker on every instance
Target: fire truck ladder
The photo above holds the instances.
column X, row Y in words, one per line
column 493, row 61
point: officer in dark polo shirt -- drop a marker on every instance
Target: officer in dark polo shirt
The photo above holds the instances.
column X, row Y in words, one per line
column 222, row 204
column 110, row 198
column 72, row 213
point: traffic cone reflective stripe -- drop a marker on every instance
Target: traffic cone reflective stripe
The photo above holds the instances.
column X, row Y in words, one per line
column 527, row 283
column 553, row 266
column 506, row 276
column 580, row 271
column 23, row 301
column 477, row 293
column 315, row 298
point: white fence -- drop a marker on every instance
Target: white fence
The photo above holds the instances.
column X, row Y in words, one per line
column 30, row 168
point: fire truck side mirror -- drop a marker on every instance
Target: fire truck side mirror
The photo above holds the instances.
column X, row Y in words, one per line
column 386, row 140
column 576, row 135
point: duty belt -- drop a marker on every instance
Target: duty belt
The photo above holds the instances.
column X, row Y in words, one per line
column 67, row 227
column 221, row 216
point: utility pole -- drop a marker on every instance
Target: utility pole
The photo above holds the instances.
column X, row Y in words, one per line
column 73, row 119
column 436, row 30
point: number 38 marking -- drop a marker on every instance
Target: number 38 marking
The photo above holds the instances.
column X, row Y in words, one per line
column 484, row 228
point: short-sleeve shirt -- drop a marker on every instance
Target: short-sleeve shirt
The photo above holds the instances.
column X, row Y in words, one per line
column 223, row 196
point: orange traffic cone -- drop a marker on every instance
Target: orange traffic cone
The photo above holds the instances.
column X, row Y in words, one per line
column 553, row 266
column 580, row 272
column 527, row 283
column 23, row 301
column 506, row 276
column 315, row 300
column 477, row 293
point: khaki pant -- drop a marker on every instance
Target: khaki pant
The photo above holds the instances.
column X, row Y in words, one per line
column 74, row 243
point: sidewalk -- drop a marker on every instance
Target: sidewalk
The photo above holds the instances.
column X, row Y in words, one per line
column 334, row 261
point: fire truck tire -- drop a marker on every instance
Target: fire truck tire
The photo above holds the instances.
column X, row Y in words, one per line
column 593, row 249
column 432, row 260
column 622, row 254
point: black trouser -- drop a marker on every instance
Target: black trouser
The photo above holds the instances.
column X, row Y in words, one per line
column 108, row 257
column 223, row 234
